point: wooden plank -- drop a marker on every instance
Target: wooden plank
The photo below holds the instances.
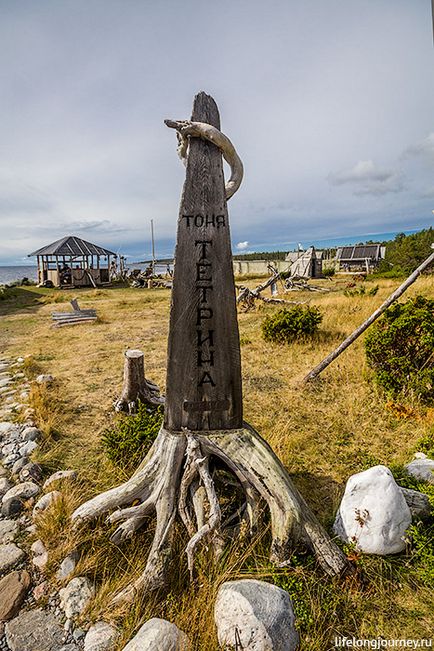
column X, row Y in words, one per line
column 61, row 324
column 204, row 368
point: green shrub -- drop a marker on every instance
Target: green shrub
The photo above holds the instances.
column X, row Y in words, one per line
column 328, row 272
column 131, row 436
column 361, row 291
column 400, row 349
column 288, row 324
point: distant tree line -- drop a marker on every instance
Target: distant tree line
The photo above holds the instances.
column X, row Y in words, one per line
column 406, row 252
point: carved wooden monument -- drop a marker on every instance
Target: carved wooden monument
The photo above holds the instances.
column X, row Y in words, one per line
column 203, row 426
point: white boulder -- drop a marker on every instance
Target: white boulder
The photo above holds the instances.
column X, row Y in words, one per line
column 255, row 616
column 158, row 634
column 373, row 513
column 100, row 637
column 421, row 468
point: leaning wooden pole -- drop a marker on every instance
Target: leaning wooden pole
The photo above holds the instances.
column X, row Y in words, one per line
column 378, row 312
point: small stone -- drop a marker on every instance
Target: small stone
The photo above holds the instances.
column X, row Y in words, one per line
column 10, row 460
column 376, row 526
column 20, row 360
column 40, row 558
column 9, row 448
column 255, row 616
column 13, row 589
column 30, row 434
column 68, row 625
column 13, row 500
column 41, row 590
column 10, row 555
column 75, row 597
column 4, row 382
column 100, row 637
column 26, row 449
column 34, row 630
column 421, row 468
column 8, row 530
column 18, row 376
column 18, row 465
column 31, row 472
column 78, row 634
column 46, row 501
column 5, row 485
column 60, row 475
column 158, row 634
column 44, row 379
column 67, row 566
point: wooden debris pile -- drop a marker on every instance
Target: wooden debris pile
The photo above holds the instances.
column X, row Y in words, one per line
column 247, row 298
column 75, row 317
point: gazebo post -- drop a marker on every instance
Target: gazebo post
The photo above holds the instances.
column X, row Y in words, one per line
column 58, row 271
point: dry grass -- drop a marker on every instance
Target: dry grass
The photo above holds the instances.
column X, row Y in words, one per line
column 323, row 433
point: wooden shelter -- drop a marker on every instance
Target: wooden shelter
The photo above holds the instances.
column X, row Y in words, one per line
column 73, row 262
column 360, row 257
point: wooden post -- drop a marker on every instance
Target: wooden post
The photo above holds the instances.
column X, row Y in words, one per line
column 204, row 368
column 374, row 316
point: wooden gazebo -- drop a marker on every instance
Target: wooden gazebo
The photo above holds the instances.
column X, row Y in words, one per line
column 73, row 262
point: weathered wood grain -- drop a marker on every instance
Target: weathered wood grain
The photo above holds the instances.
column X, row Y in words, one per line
column 203, row 388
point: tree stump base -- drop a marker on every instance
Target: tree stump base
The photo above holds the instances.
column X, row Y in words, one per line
column 136, row 387
column 174, row 478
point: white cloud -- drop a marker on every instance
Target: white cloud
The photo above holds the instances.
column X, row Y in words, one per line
column 241, row 246
column 368, row 179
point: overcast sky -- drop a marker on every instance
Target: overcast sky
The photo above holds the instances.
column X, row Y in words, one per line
column 330, row 104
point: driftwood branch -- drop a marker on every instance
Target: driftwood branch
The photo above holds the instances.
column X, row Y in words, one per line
column 374, row 316
column 187, row 129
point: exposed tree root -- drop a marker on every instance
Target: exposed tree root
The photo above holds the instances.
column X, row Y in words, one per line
column 175, row 478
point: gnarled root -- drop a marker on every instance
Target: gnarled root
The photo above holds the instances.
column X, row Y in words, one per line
column 175, row 477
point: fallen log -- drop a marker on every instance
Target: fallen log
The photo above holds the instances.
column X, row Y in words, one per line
column 374, row 316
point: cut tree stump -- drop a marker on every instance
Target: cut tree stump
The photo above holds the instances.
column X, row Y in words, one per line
column 136, row 387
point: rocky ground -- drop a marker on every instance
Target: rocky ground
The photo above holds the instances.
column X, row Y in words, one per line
column 34, row 616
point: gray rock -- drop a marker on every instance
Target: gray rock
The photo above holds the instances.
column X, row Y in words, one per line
column 158, row 634
column 256, row 615
column 10, row 460
column 9, row 448
column 44, row 379
column 8, row 530
column 18, row 465
column 13, row 589
column 67, row 566
column 60, row 475
column 46, row 501
column 34, row 630
column 100, row 637
column 5, row 485
column 78, row 634
column 421, row 468
column 31, row 472
column 10, row 555
column 76, row 596
column 26, row 449
column 30, row 434
column 417, row 502
column 12, row 501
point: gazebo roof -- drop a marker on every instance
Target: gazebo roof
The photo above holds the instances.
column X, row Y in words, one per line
column 71, row 245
